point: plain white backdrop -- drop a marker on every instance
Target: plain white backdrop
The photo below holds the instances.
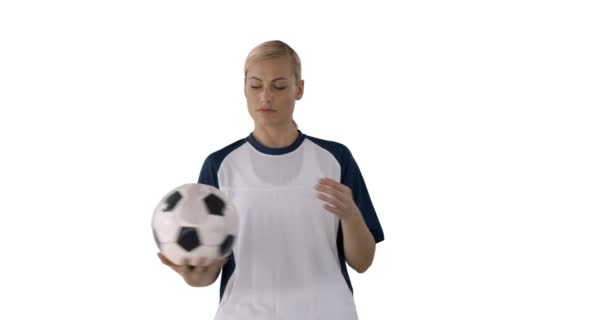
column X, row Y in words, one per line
column 480, row 128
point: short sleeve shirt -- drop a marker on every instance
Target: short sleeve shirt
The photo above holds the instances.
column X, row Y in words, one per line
column 288, row 260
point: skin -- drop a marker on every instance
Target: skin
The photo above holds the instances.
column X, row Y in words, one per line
column 271, row 84
column 199, row 273
column 271, row 90
column 359, row 243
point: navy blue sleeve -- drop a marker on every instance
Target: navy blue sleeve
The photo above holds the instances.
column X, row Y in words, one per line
column 208, row 174
column 211, row 165
column 352, row 177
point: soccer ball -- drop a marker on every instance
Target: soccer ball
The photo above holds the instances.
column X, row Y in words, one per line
column 192, row 221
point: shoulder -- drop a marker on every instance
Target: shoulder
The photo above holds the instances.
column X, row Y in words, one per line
column 339, row 150
column 216, row 157
column 211, row 165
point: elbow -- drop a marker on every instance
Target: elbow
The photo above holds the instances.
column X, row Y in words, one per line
column 362, row 266
column 365, row 266
column 362, row 269
column 361, row 258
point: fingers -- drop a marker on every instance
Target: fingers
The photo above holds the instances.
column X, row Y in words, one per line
column 333, row 188
column 200, row 265
column 164, row 260
column 179, row 268
column 332, row 209
column 334, row 184
column 219, row 262
column 182, row 267
column 331, row 200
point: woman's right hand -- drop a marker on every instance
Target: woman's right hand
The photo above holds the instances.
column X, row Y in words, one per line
column 199, row 274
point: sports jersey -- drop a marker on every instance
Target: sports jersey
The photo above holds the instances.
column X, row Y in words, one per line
column 288, row 260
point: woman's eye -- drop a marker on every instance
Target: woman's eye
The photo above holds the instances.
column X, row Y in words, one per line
column 258, row 87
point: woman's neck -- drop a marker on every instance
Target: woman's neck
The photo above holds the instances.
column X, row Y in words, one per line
column 276, row 137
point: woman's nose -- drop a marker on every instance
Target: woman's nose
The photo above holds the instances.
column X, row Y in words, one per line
column 266, row 95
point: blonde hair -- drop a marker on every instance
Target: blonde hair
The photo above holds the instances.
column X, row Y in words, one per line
column 274, row 49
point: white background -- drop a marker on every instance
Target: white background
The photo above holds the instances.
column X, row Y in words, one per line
column 480, row 128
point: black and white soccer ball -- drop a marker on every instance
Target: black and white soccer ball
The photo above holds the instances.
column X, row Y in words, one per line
column 192, row 221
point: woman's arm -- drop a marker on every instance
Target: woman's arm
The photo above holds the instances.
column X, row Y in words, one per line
column 359, row 244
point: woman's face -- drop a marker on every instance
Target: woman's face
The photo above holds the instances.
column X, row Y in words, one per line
column 271, row 91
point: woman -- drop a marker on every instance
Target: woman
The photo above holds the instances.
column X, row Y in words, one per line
column 303, row 206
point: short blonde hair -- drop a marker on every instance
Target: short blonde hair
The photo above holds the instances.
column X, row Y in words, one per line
column 274, row 49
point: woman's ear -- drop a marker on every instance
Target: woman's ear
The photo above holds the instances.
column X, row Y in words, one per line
column 300, row 90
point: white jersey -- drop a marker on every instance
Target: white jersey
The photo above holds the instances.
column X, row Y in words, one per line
column 288, row 261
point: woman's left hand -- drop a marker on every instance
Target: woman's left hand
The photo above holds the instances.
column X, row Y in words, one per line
column 338, row 197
